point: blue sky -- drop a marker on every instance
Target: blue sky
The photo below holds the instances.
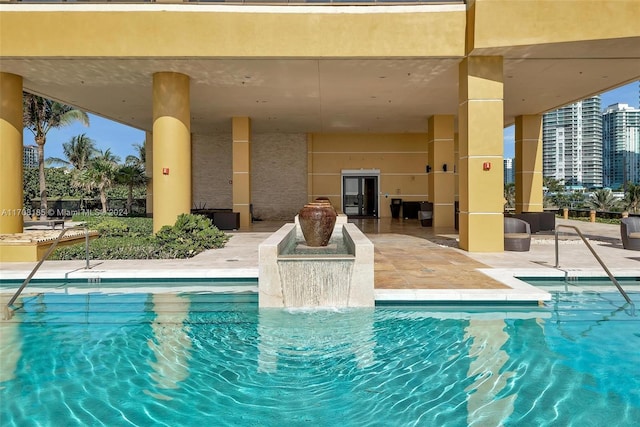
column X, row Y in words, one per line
column 120, row 138
column 105, row 133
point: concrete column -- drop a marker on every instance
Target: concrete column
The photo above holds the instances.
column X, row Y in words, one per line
column 456, row 176
column 241, row 130
column 528, row 146
column 148, row 167
column 440, row 135
column 171, row 148
column 12, row 152
column 310, row 191
column 480, row 126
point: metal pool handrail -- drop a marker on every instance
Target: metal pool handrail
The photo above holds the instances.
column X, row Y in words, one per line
column 46, row 255
column 613, row 279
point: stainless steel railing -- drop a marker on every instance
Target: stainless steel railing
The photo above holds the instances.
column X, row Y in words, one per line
column 43, row 259
column 602, row 264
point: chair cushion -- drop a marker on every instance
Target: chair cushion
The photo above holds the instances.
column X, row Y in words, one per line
column 634, row 235
column 516, row 235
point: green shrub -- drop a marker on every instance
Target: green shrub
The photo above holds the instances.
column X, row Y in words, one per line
column 190, row 235
column 132, row 238
column 111, row 248
column 137, row 226
column 112, row 227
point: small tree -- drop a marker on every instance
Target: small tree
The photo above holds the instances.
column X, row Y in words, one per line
column 40, row 115
column 631, row 200
column 510, row 195
column 79, row 152
column 101, row 174
column 602, row 200
column 131, row 176
column 553, row 185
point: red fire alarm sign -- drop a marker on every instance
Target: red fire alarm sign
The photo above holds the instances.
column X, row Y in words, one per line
column 486, row 166
column 165, row 171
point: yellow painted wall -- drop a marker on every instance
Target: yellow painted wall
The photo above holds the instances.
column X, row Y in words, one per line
column 498, row 23
column 401, row 159
column 248, row 33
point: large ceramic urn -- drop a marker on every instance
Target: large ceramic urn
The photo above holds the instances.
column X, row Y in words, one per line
column 317, row 220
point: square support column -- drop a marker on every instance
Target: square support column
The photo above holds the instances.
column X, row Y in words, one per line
column 11, row 176
column 171, row 148
column 440, row 135
column 480, row 129
column 241, row 134
column 528, row 146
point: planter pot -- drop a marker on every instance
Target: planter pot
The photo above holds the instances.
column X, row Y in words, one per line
column 317, row 221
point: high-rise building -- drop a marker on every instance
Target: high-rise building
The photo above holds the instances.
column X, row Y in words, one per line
column 509, row 173
column 621, row 141
column 30, row 156
column 572, row 144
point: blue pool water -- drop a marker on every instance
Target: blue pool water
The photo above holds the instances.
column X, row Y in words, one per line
column 196, row 359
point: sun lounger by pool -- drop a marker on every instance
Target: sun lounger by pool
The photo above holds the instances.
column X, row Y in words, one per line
column 45, row 222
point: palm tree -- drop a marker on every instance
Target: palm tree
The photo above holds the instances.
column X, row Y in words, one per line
column 510, row 195
column 40, row 115
column 632, row 197
column 553, row 185
column 139, row 158
column 78, row 152
column 101, row 174
column 602, row 200
column 131, row 176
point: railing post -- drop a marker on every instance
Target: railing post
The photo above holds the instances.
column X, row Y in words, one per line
column 86, row 246
column 593, row 252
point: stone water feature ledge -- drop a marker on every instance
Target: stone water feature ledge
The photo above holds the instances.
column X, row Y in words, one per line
column 288, row 278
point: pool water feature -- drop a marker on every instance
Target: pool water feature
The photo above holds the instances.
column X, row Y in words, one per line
column 294, row 275
column 91, row 358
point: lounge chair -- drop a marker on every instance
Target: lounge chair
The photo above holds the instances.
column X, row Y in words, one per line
column 517, row 235
column 52, row 223
column 630, row 233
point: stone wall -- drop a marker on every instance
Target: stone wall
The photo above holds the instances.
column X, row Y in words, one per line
column 211, row 164
column 278, row 174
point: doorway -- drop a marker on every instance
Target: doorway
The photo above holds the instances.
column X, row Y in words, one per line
column 360, row 195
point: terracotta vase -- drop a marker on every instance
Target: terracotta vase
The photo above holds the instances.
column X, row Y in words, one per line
column 317, row 220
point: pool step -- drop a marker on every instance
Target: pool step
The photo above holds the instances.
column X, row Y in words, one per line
column 128, row 308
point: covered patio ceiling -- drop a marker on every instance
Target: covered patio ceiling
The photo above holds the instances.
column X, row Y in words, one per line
column 329, row 95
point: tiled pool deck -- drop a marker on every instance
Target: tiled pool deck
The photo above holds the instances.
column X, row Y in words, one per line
column 411, row 262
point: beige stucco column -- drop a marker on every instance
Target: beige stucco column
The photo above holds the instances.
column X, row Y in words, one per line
column 440, row 135
column 241, row 129
column 12, row 151
column 528, row 146
column 456, row 176
column 171, row 148
column 480, row 129
column 148, row 167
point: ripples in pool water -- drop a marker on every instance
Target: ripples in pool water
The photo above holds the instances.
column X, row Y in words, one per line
column 194, row 359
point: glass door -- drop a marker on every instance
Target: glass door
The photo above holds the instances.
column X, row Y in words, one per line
column 360, row 196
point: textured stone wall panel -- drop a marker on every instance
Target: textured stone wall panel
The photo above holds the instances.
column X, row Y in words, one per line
column 278, row 175
column 211, row 171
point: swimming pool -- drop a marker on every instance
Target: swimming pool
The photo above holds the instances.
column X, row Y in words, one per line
column 94, row 358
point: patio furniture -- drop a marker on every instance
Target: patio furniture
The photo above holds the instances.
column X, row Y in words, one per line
column 425, row 214
column 44, row 222
column 538, row 221
column 517, row 235
column 630, row 233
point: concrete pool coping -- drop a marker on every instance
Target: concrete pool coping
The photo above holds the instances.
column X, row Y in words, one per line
column 439, row 270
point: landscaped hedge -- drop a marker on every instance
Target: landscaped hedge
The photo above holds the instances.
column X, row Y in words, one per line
column 132, row 238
